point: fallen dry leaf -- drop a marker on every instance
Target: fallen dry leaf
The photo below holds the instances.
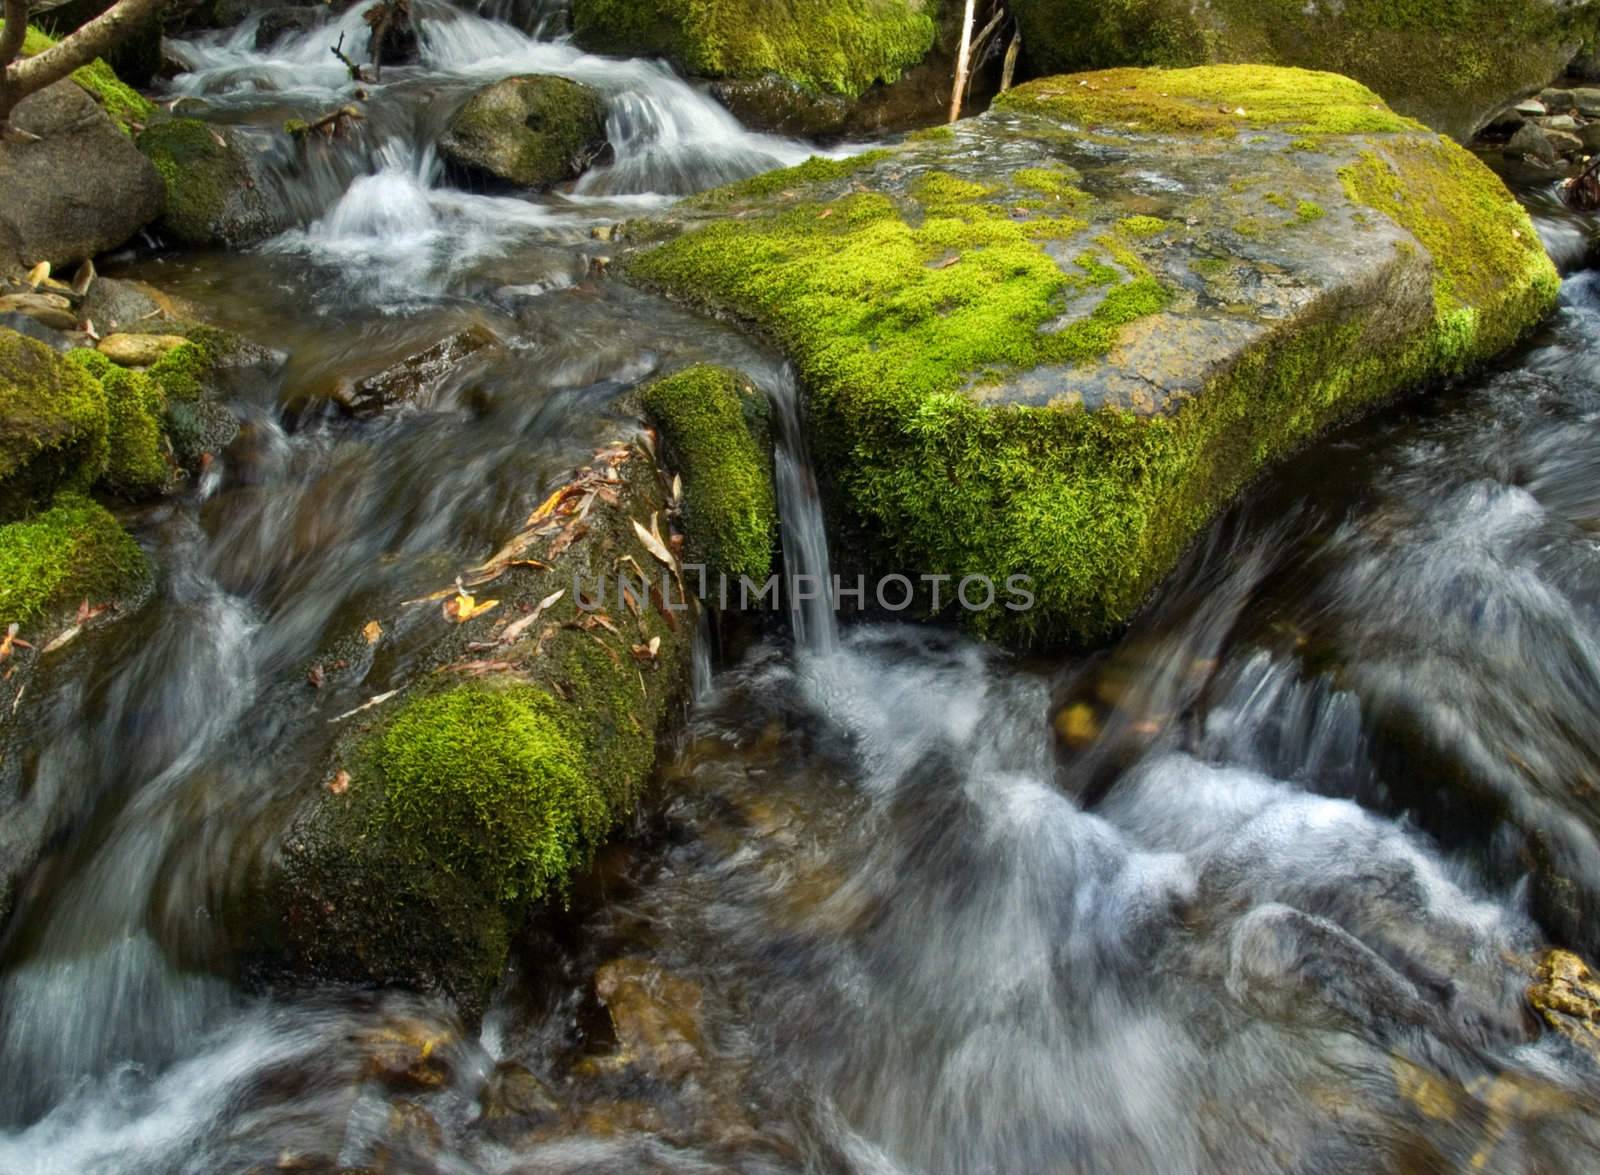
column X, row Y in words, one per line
column 315, row 676
column 340, row 783
column 62, row 641
column 462, row 607
column 373, row 632
column 39, row 274
column 652, row 542
column 367, row 705
column 517, row 627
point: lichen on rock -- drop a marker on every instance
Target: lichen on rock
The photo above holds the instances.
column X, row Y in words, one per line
column 718, row 437
column 1012, row 369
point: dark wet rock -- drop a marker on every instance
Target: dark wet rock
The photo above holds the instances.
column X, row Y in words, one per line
column 393, row 37
column 1453, row 67
column 55, row 209
column 279, row 23
column 1532, row 142
column 531, row 131
column 515, row 1102
column 1290, row 966
column 406, row 1054
column 212, row 195
column 412, row 379
column 1104, row 261
column 25, row 324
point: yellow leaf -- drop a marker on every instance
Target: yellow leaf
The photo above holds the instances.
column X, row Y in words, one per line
column 654, row 545
column 463, row 607
column 373, row 632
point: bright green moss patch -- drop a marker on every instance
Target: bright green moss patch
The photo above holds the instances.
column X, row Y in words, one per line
column 72, row 552
column 1059, row 182
column 826, row 46
column 1142, row 226
column 137, row 461
column 819, row 169
column 717, row 437
column 1460, row 212
column 1209, row 99
column 127, row 107
column 483, row 781
column 53, row 425
column 948, row 331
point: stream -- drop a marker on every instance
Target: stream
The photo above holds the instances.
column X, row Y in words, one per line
column 1261, row 905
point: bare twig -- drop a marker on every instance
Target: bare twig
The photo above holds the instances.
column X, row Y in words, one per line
column 338, row 51
column 24, row 75
column 1009, row 71
column 962, row 56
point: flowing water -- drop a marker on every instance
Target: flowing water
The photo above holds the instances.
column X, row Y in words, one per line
column 1266, row 902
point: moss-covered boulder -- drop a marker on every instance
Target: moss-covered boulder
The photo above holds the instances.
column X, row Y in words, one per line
column 1454, row 66
column 824, row 46
column 53, row 426
column 72, row 552
column 531, row 131
column 212, row 196
column 521, row 732
column 1053, row 341
column 127, row 108
column 717, row 434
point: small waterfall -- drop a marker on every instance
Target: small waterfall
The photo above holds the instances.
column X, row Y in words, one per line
column 805, row 535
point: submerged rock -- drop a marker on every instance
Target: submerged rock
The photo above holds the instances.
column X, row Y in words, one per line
column 212, row 196
column 655, row 1015
column 1054, row 340
column 532, row 131
column 1452, row 66
column 55, row 208
column 1566, row 995
column 410, row 380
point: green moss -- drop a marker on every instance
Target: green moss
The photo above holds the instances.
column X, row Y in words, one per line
column 1059, row 182
column 531, row 131
column 1478, row 53
column 901, row 313
column 127, row 107
column 72, row 552
column 211, row 196
column 1309, row 210
column 1209, row 99
column 1142, row 226
column 483, row 782
column 817, row 170
column 1478, row 236
column 137, row 459
column 717, row 437
column 54, row 425
column 826, row 46
column 932, row 134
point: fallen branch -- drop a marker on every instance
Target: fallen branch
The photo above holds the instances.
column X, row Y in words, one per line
column 355, row 70
column 963, row 55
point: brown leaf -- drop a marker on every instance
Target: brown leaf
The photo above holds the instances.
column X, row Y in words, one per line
column 315, row 676
column 84, row 278
column 340, row 783
column 373, row 632
column 548, row 505
column 610, row 652
column 604, row 622
column 11, row 641
column 566, row 538
column 630, row 600
column 517, row 627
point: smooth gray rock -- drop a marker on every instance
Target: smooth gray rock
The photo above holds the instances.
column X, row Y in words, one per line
column 57, row 209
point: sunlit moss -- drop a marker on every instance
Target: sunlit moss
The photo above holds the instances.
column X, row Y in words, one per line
column 127, row 107
column 137, row 465
column 836, row 46
column 54, row 425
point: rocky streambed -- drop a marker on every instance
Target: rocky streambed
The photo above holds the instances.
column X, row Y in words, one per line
column 380, row 796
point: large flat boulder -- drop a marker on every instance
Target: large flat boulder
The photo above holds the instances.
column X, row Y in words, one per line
column 1053, row 341
column 1454, row 66
column 57, row 209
